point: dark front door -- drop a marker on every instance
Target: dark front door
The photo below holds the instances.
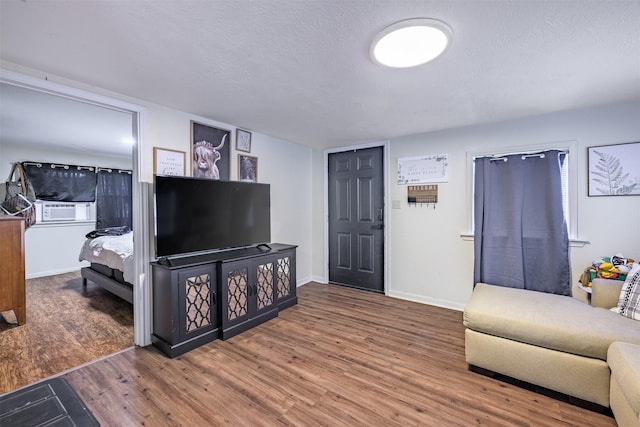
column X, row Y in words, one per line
column 356, row 219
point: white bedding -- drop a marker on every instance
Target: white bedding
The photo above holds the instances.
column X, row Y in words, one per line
column 113, row 251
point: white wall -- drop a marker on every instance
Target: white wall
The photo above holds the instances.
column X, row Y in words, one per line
column 429, row 261
column 318, row 216
column 54, row 248
column 285, row 165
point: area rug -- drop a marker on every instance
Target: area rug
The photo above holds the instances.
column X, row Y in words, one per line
column 49, row 403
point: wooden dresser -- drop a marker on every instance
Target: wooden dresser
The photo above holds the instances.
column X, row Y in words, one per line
column 12, row 271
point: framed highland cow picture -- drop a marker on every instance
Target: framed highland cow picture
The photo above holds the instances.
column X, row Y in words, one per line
column 614, row 170
column 210, row 152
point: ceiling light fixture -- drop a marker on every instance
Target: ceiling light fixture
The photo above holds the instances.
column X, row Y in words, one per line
column 410, row 43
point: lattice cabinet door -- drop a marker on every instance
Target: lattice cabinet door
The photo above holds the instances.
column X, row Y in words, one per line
column 185, row 307
column 286, row 279
column 235, row 293
column 264, row 285
column 249, row 295
column 197, row 299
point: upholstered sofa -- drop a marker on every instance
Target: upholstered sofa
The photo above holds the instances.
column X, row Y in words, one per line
column 559, row 343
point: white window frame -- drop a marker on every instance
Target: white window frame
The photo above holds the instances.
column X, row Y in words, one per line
column 571, row 147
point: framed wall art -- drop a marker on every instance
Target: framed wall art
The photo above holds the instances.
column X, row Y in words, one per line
column 243, row 140
column 210, row 151
column 169, row 162
column 423, row 169
column 614, row 170
column 247, row 168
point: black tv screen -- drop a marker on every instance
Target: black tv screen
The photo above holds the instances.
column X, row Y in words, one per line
column 194, row 215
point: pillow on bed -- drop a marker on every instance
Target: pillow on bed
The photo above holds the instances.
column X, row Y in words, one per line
column 629, row 302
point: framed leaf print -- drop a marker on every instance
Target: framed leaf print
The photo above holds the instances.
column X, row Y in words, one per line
column 614, row 170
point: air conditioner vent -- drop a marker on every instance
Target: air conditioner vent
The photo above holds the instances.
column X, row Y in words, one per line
column 58, row 212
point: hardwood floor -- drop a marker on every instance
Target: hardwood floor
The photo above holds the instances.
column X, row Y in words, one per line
column 339, row 357
column 66, row 327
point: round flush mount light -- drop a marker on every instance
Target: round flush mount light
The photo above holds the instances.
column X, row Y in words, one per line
column 410, row 43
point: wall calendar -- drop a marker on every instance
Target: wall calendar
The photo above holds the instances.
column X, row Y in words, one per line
column 423, row 169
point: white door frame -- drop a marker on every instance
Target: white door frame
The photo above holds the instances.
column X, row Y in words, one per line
column 385, row 167
column 141, row 289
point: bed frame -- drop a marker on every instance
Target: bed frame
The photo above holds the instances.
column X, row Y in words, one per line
column 108, row 278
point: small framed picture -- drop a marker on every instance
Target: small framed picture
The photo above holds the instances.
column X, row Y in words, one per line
column 247, row 168
column 169, row 162
column 210, row 152
column 614, row 170
column 243, row 140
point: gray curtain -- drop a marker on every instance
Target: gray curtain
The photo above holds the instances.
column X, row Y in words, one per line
column 62, row 183
column 114, row 199
column 521, row 238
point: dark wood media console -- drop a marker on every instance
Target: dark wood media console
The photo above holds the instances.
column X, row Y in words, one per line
column 199, row 298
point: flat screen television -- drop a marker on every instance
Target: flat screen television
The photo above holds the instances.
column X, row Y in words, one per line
column 196, row 215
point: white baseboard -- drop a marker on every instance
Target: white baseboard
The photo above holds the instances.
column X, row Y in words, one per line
column 51, row 272
column 427, row 300
column 309, row 279
column 400, row 295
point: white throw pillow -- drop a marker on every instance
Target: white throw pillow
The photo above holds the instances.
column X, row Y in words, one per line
column 629, row 301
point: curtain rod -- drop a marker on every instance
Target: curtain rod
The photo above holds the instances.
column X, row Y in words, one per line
column 524, row 155
column 89, row 168
column 55, row 166
column 118, row 170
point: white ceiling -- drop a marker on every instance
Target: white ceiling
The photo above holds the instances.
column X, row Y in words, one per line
column 300, row 69
column 41, row 119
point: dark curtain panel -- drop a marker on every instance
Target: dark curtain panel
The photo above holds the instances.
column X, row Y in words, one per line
column 62, row 183
column 521, row 238
column 113, row 199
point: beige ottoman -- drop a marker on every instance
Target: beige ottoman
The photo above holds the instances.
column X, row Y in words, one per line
column 624, row 362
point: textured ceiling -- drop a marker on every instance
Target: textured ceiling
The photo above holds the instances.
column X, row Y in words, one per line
column 300, row 69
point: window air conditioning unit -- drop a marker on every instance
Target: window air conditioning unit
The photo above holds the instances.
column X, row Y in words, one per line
column 58, row 212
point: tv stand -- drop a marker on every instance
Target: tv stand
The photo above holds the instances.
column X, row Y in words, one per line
column 199, row 298
column 164, row 261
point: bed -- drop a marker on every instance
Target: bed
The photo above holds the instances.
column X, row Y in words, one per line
column 111, row 264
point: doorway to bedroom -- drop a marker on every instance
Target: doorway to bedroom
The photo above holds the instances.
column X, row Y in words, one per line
column 69, row 323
